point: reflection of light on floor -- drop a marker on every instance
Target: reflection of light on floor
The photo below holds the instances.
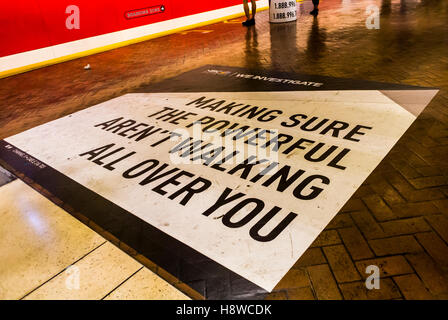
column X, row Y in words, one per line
column 32, row 216
column 346, row 4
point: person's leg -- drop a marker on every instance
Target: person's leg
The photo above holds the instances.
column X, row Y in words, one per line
column 246, row 9
column 250, row 18
column 254, row 8
column 315, row 11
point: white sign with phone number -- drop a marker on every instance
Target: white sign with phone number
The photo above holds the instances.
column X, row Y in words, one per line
column 282, row 11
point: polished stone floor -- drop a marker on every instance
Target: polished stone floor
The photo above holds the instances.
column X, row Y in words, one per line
column 397, row 220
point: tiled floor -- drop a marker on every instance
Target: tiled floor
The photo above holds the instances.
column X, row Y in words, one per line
column 397, row 220
column 48, row 254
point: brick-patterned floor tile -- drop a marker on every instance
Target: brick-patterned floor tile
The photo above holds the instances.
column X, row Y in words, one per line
column 341, row 264
column 295, row 278
column 379, row 208
column 410, row 194
column 277, row 295
column 300, row 294
column 404, row 168
column 363, row 191
column 435, row 246
column 442, row 204
column 445, row 192
column 367, row 225
column 342, row 220
column 429, row 171
column 323, row 283
column 440, row 225
column 386, row 191
column 389, row 266
column 405, row 226
column 312, row 256
column 327, row 238
column 431, row 275
column 415, row 209
column 412, row 287
column 426, row 182
column 354, row 204
column 355, row 243
column 395, row 245
column 359, row 291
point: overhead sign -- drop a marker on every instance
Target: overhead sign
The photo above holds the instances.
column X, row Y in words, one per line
column 221, row 175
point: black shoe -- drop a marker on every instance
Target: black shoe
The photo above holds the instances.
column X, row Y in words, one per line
column 315, row 12
column 249, row 22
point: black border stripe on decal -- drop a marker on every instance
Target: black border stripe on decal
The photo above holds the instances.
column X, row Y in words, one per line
column 202, row 80
column 202, row 274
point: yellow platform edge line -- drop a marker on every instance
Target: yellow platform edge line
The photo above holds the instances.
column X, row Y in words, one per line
column 30, row 67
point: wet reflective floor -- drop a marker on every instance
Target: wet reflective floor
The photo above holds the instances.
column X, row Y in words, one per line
column 397, row 220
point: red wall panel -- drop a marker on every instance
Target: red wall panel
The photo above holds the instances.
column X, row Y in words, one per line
column 32, row 24
column 22, row 27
